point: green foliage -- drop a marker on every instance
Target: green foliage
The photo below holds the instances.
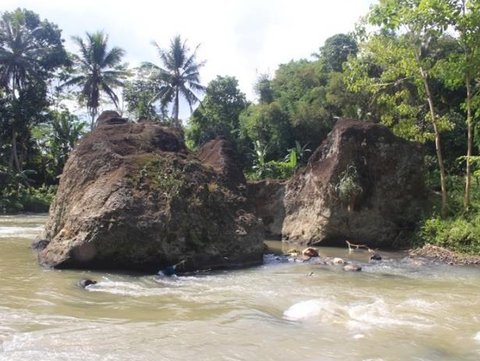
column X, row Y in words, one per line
column 31, row 50
column 312, row 97
column 219, row 112
column 97, row 70
column 460, row 231
column 262, row 169
column 461, row 234
column 138, row 94
column 268, row 125
column 348, row 187
column 55, row 139
column 177, row 77
column 263, row 89
column 336, row 51
column 298, row 154
column 16, row 194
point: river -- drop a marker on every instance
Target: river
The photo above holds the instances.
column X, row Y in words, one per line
column 392, row 310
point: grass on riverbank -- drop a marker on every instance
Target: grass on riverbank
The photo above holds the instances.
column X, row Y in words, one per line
column 460, row 231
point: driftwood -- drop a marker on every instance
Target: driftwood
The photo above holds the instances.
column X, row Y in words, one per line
column 356, row 247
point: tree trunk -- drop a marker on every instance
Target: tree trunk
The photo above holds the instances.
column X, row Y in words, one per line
column 176, row 106
column 14, row 157
column 438, row 145
column 93, row 114
column 468, row 172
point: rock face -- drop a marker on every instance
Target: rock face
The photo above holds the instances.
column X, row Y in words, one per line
column 223, row 158
column 132, row 197
column 362, row 184
column 267, row 197
column 110, row 117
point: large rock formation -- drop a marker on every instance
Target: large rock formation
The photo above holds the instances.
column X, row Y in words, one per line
column 132, row 197
column 363, row 184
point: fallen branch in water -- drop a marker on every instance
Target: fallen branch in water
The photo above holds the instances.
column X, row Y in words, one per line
column 355, row 247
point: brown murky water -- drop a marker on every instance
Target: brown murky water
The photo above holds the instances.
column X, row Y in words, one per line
column 393, row 310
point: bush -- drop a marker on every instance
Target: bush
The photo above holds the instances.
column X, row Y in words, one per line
column 25, row 199
column 459, row 234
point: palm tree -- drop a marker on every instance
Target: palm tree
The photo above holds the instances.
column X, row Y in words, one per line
column 177, row 77
column 30, row 50
column 97, row 70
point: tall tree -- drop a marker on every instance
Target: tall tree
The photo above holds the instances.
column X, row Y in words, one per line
column 263, row 89
column 30, row 52
column 178, row 76
column 97, row 70
column 219, row 112
column 464, row 70
column 420, row 23
column 299, row 88
column 138, row 94
column 267, row 127
column 336, row 51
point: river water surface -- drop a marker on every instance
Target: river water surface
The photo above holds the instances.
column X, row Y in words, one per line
column 396, row 309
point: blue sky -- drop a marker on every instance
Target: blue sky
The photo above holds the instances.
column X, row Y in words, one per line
column 241, row 38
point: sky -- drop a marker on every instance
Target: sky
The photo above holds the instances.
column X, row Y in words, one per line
column 241, row 38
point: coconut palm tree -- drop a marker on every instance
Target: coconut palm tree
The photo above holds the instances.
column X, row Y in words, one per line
column 97, row 70
column 30, row 51
column 178, row 76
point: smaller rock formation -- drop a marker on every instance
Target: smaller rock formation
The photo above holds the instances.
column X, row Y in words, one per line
column 110, row 117
column 267, row 198
column 222, row 156
column 363, row 184
column 352, row 268
column 86, row 282
column 310, row 252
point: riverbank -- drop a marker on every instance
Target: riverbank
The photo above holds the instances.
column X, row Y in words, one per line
column 444, row 255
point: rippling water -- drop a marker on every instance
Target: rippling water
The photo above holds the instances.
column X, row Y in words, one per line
column 392, row 310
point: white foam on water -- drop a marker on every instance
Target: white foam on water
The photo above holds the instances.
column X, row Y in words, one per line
column 365, row 316
column 420, row 303
column 325, row 310
column 477, row 336
column 135, row 289
column 303, row 310
column 358, row 336
column 123, row 289
column 20, row 232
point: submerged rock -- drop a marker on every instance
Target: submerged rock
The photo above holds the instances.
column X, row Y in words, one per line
column 86, row 282
column 310, row 252
column 362, row 183
column 132, row 197
column 352, row 268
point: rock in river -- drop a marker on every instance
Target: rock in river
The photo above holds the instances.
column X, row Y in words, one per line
column 362, row 183
column 132, row 197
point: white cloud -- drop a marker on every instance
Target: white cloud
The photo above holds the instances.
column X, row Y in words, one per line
column 238, row 37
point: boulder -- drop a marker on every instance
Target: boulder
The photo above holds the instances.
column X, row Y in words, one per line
column 222, row 157
column 109, row 117
column 267, row 198
column 363, row 183
column 132, row 197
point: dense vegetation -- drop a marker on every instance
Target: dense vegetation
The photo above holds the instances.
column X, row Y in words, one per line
column 413, row 65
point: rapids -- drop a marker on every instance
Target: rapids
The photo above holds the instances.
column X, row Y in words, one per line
column 396, row 309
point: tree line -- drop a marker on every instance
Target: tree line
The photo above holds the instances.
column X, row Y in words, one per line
column 412, row 65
